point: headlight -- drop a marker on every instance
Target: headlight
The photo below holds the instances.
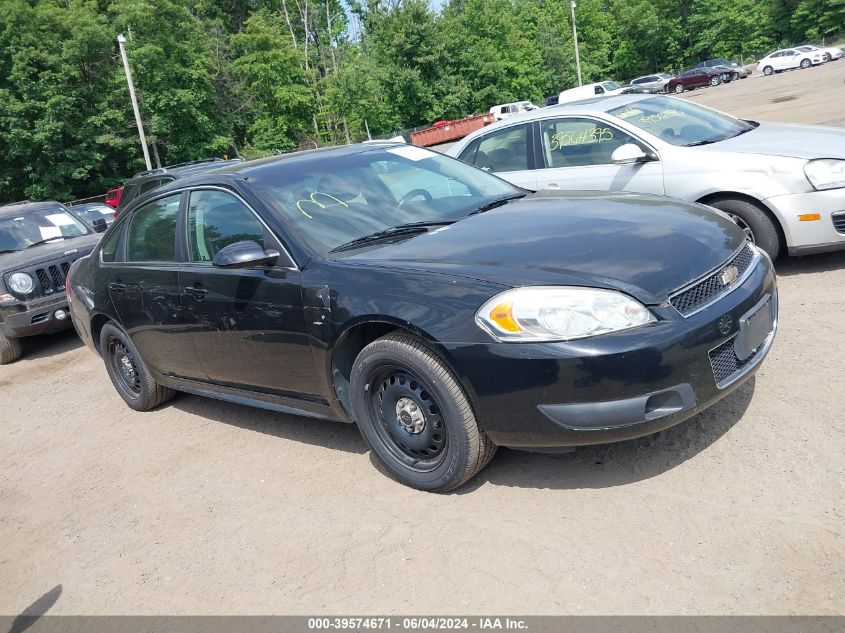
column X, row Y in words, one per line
column 559, row 313
column 21, row 283
column 825, row 173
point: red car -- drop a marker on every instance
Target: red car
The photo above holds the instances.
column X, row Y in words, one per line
column 694, row 78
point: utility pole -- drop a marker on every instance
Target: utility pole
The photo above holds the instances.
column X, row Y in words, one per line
column 575, row 40
column 121, row 41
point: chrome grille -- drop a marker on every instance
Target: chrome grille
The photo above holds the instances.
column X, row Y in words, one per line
column 839, row 221
column 688, row 301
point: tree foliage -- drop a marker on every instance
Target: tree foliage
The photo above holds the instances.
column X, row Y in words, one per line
column 257, row 76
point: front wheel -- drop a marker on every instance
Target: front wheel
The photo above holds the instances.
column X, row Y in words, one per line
column 415, row 416
column 755, row 222
column 679, row 89
column 715, row 81
column 734, row 76
column 768, row 70
column 806, row 63
column 129, row 374
column 10, row 350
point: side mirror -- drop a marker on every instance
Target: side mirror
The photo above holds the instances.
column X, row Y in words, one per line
column 100, row 225
column 628, row 154
column 245, row 254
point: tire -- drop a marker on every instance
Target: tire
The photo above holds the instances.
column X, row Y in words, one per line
column 679, row 88
column 806, row 63
column 10, row 350
column 128, row 372
column 826, row 57
column 734, row 76
column 415, row 416
column 754, row 221
column 768, row 70
column 715, row 81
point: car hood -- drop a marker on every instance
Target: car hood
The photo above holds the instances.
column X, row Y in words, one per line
column 643, row 245
column 50, row 252
column 782, row 139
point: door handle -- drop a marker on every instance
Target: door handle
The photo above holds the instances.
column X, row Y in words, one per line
column 117, row 287
column 196, row 291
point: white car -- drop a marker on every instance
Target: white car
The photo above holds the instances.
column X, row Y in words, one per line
column 600, row 89
column 787, row 59
column 506, row 110
column 828, row 53
column 783, row 184
column 657, row 81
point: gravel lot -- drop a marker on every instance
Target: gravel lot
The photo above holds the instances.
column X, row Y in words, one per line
column 205, row 507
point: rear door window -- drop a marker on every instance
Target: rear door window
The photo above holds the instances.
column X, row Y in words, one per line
column 152, row 231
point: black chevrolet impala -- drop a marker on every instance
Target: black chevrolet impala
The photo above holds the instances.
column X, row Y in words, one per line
column 441, row 309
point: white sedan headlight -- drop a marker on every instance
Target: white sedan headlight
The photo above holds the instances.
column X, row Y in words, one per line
column 21, row 283
column 559, row 313
column 825, row 173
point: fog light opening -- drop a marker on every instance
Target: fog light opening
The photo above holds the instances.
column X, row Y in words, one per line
column 60, row 315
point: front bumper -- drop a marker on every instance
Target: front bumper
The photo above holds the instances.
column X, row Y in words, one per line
column 612, row 387
column 815, row 236
column 34, row 317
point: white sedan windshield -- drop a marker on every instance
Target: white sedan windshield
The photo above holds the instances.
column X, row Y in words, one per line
column 680, row 122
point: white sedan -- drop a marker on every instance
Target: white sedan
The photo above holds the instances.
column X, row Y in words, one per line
column 787, row 59
column 828, row 53
column 783, row 184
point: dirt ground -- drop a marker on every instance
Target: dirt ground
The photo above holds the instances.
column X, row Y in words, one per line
column 204, row 507
column 814, row 95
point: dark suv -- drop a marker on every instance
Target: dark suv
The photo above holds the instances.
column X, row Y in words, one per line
column 145, row 181
column 38, row 243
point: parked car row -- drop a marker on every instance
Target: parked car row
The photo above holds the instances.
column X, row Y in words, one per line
column 797, row 57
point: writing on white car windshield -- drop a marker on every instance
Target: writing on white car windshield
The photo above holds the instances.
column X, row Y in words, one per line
column 680, row 122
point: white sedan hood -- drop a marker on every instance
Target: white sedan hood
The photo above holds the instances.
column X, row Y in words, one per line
column 782, row 139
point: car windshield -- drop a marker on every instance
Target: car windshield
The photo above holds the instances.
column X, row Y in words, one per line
column 335, row 200
column 610, row 85
column 19, row 231
column 680, row 122
column 95, row 212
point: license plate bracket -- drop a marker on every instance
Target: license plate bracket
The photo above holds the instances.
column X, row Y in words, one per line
column 754, row 326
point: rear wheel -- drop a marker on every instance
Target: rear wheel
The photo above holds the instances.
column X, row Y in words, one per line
column 826, row 57
column 415, row 416
column 755, row 222
column 679, row 88
column 734, row 76
column 10, row 350
column 806, row 63
column 128, row 372
column 768, row 70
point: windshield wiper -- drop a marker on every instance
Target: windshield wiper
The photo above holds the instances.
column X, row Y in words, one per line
column 411, row 228
column 716, row 139
column 49, row 239
column 498, row 202
column 9, row 250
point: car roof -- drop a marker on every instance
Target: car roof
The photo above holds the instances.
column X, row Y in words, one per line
column 186, row 169
column 257, row 167
column 16, row 208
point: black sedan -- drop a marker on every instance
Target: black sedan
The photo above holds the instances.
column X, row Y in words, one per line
column 443, row 310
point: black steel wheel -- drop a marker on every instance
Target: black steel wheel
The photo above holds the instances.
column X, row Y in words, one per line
column 410, row 420
column 415, row 416
column 128, row 372
column 123, row 366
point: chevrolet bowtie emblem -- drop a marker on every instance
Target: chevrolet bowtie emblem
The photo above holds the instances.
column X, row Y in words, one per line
column 729, row 275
